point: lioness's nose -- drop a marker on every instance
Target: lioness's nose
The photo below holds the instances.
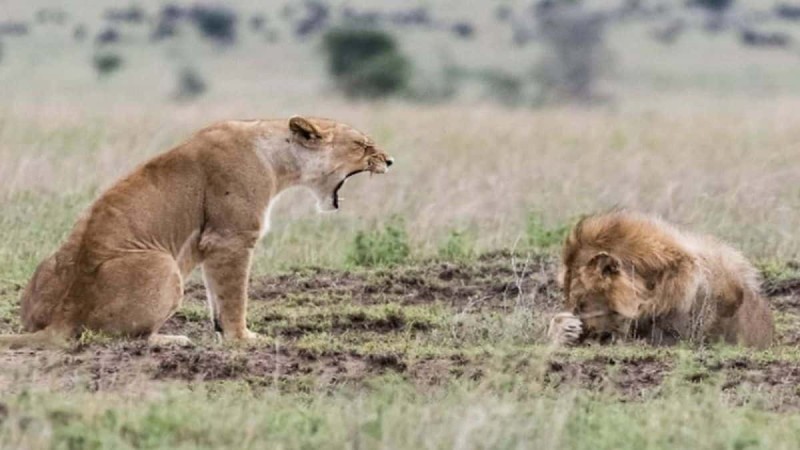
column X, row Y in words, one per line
column 389, row 161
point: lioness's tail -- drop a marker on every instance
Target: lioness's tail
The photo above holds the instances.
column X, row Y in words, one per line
column 45, row 338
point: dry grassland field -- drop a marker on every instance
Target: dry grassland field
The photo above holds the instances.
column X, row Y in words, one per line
column 414, row 317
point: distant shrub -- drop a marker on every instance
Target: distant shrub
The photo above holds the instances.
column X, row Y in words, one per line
column 107, row 36
column 458, row 245
column 215, row 22
column 55, row 16
column 764, row 39
column 107, row 63
column 257, row 22
column 504, row 87
column 788, row 11
column 503, row 13
column 79, row 32
column 14, row 28
column 366, row 62
column 315, row 19
column 713, row 5
column 381, row 247
column 540, row 237
column 463, row 29
column 190, row 84
column 132, row 14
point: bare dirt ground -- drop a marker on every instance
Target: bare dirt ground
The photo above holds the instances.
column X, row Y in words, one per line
column 339, row 306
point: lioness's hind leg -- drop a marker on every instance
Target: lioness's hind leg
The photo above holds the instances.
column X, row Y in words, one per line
column 134, row 295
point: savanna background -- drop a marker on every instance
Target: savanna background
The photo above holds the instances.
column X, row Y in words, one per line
column 415, row 316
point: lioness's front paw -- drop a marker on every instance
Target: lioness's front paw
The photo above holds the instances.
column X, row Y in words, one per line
column 242, row 336
column 565, row 329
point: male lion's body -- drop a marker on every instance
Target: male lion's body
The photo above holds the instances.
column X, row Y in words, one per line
column 205, row 202
column 627, row 273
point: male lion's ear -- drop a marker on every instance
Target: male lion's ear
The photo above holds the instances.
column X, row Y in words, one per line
column 304, row 129
column 605, row 264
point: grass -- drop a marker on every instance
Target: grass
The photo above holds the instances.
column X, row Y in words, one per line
column 391, row 414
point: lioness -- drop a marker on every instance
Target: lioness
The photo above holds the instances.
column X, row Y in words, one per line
column 206, row 202
column 628, row 274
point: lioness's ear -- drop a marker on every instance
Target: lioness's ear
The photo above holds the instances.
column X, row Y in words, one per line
column 303, row 128
column 605, row 264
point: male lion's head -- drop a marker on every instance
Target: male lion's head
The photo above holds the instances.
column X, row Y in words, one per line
column 620, row 267
column 603, row 294
column 330, row 152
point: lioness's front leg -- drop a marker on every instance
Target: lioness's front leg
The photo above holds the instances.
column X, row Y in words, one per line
column 565, row 329
column 226, row 268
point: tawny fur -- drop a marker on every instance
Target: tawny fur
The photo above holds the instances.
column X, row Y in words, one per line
column 205, row 202
column 626, row 273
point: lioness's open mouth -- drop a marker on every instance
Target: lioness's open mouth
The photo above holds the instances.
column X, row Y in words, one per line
column 339, row 186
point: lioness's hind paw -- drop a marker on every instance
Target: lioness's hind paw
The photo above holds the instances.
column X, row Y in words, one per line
column 166, row 340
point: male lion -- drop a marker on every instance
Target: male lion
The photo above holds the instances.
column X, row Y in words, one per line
column 628, row 274
column 206, row 202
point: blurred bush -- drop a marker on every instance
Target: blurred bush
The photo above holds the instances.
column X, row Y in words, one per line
column 107, row 63
column 713, row 5
column 190, row 85
column 315, row 19
column 365, row 62
column 79, row 32
column 381, row 247
column 133, row 14
column 216, row 22
column 108, row 36
column 503, row 87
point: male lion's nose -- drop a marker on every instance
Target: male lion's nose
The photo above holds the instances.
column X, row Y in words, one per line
column 389, row 161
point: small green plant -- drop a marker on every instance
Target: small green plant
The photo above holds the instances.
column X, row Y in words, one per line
column 365, row 62
column 381, row 247
column 458, row 245
column 89, row 337
column 107, row 63
column 539, row 236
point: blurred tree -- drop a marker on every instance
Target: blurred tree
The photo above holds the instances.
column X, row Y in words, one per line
column 365, row 62
column 575, row 56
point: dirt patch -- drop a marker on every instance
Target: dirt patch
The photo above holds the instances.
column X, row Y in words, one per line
column 631, row 377
column 785, row 287
column 494, row 284
column 771, row 385
column 495, row 280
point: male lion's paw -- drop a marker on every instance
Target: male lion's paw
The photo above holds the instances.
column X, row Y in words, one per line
column 565, row 329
